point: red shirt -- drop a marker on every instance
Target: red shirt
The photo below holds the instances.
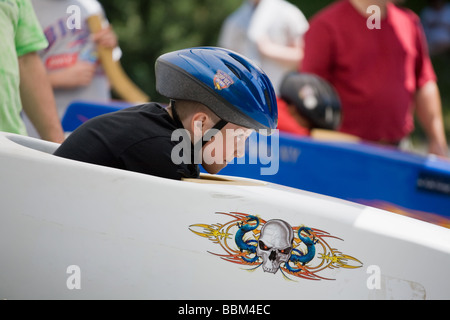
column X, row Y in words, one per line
column 375, row 71
column 286, row 123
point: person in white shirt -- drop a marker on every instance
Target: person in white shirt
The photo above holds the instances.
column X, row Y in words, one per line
column 71, row 59
column 269, row 32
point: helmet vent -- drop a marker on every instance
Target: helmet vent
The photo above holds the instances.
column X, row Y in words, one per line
column 269, row 103
column 235, row 71
column 241, row 61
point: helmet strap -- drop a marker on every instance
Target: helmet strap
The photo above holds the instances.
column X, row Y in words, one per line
column 219, row 126
column 175, row 115
column 207, row 137
column 203, row 141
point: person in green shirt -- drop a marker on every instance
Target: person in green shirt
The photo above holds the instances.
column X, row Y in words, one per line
column 23, row 80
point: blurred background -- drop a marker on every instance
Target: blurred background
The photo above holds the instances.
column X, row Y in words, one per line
column 149, row 28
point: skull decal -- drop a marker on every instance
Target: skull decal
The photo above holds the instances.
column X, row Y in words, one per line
column 275, row 244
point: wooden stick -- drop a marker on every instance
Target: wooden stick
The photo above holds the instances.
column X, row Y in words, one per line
column 119, row 80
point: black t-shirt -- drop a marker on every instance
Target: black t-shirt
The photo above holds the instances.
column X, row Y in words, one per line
column 135, row 139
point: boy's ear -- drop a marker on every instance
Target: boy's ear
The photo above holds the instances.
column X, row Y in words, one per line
column 198, row 120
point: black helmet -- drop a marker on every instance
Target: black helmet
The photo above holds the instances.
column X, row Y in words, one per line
column 314, row 98
column 230, row 85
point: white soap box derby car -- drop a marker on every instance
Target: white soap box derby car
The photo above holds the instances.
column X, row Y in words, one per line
column 71, row 230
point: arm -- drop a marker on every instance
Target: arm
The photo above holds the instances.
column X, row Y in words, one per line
column 264, row 28
column 429, row 114
column 428, row 100
column 37, row 98
column 286, row 54
column 78, row 75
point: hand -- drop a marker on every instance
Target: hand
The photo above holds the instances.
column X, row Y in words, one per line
column 78, row 75
column 439, row 149
column 106, row 38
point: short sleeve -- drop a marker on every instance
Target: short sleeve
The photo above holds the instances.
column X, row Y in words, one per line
column 298, row 22
column 92, row 7
column 265, row 20
column 29, row 34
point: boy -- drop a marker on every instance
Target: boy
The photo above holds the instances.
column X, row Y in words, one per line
column 309, row 106
column 307, row 102
column 216, row 95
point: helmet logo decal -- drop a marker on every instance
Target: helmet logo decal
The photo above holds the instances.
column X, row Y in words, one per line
column 222, row 80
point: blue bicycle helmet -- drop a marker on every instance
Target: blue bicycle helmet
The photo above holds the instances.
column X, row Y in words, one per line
column 230, row 85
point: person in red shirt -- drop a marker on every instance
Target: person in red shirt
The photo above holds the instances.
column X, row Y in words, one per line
column 375, row 55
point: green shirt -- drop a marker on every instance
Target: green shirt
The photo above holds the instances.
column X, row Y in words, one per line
column 20, row 33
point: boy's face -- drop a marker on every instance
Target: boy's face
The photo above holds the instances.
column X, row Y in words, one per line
column 227, row 144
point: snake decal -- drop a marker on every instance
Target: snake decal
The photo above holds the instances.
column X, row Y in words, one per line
column 274, row 245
